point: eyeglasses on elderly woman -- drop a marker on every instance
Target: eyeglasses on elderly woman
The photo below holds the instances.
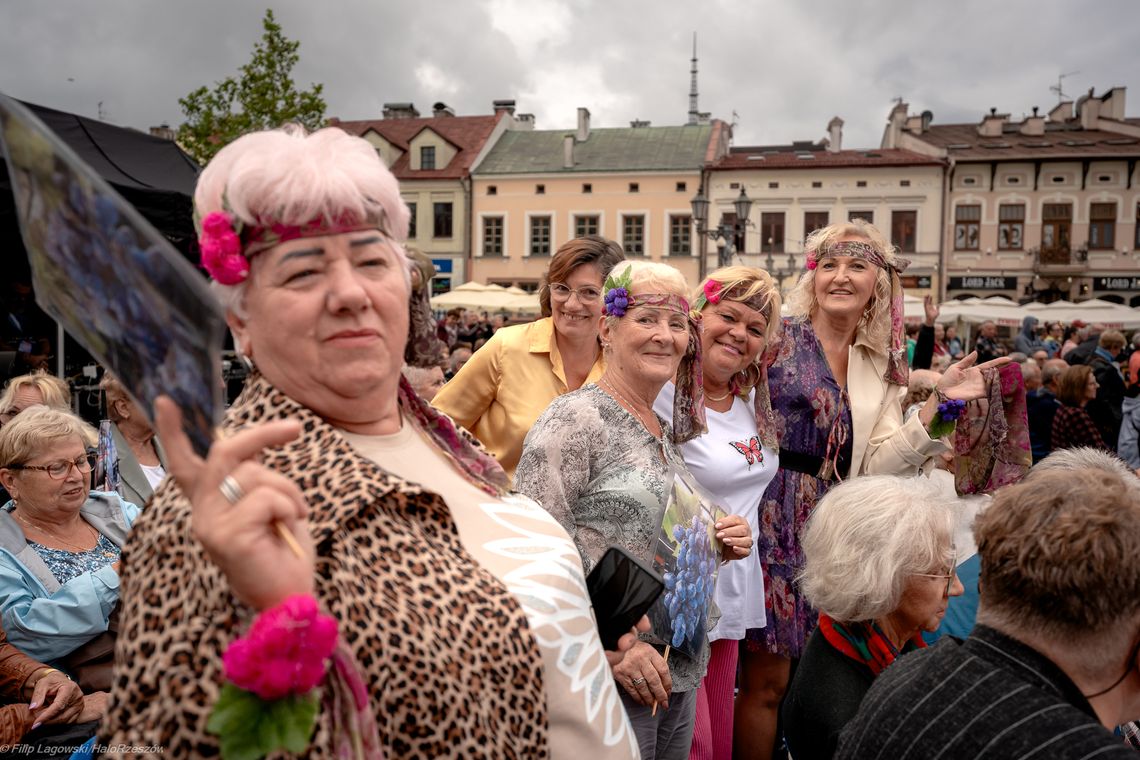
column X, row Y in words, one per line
column 59, row 470
column 561, row 293
column 949, row 576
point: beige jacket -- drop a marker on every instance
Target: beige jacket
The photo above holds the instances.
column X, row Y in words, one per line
column 882, row 443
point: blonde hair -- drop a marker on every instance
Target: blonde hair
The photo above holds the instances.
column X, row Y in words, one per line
column 55, row 392
column 867, row 537
column 876, row 320
column 751, row 282
column 23, row 437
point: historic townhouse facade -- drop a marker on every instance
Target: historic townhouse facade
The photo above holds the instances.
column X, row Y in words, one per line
column 1039, row 209
column 534, row 190
column 432, row 157
column 798, row 188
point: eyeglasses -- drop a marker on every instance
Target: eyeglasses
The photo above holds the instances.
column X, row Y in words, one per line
column 60, row 470
column 561, row 293
column 949, row 578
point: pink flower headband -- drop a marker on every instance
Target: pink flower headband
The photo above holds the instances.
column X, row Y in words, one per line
column 227, row 245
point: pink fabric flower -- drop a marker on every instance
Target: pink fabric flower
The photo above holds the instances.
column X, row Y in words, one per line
column 712, row 291
column 221, row 249
column 812, row 261
column 285, row 650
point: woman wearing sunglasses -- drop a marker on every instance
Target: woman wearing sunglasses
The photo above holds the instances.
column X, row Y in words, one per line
column 879, row 565
column 509, row 382
column 59, row 546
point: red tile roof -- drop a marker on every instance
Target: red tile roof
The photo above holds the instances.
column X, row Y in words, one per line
column 467, row 133
column 783, row 157
column 1061, row 140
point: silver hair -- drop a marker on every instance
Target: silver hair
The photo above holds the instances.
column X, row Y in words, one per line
column 865, row 540
column 663, row 278
column 1084, row 458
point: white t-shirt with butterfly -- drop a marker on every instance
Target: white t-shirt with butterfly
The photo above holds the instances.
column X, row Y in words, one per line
column 731, row 464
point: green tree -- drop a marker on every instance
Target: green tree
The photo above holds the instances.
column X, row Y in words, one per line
column 263, row 97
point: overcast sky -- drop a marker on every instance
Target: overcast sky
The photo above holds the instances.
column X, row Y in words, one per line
column 785, row 67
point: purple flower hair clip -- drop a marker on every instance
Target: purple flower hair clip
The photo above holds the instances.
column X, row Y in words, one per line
column 617, row 293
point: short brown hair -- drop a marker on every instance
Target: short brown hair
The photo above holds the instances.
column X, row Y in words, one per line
column 1060, row 558
column 1112, row 340
column 588, row 249
column 1071, row 384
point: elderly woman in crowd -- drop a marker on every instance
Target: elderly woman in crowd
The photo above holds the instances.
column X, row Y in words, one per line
column 59, row 546
column 140, row 463
column 600, row 460
column 879, row 567
column 738, row 309
column 504, row 386
column 1072, row 425
column 441, row 581
column 38, row 388
column 836, row 383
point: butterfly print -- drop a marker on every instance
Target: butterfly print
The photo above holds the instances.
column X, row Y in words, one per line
column 750, row 449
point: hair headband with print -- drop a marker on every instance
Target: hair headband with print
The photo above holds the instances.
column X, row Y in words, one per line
column 714, row 292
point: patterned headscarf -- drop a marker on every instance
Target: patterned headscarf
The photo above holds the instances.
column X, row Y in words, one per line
column 897, row 371
column 424, row 348
column 991, row 442
column 689, row 399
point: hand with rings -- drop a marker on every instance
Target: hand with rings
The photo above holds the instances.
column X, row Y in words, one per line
column 237, row 504
column 644, row 675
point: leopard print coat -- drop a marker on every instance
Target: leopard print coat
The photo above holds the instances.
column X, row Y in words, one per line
column 453, row 668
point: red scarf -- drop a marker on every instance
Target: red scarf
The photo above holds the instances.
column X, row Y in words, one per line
column 865, row 642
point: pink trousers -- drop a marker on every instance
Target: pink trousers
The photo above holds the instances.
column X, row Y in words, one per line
column 712, row 729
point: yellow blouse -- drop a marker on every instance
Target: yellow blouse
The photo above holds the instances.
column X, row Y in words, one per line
column 506, row 385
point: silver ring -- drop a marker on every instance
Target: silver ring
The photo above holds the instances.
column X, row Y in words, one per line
column 637, row 682
column 231, row 489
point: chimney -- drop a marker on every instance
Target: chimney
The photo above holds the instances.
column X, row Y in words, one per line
column 583, row 124
column 927, row 117
column 1033, row 126
column 835, row 135
column 992, row 123
column 442, row 109
column 164, row 131
column 500, row 106
column 639, row 123
column 895, row 122
column 400, row 111
column 1088, row 110
column 568, row 152
column 1112, row 104
column 1063, row 111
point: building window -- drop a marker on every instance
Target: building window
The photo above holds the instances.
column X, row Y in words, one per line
column 773, row 185
column 771, row 232
column 634, row 187
column 633, row 234
column 680, row 235
column 904, row 183
column 814, row 220
column 492, row 190
column 1102, row 225
column 585, row 225
column 540, row 189
column 492, row 236
column 969, row 180
column 1104, row 178
column 411, row 220
column 1013, row 180
column 681, row 187
column 1056, row 232
column 866, row 216
column 587, row 188
column 442, row 214
column 427, row 158
column 1057, row 180
column 1011, row 226
column 903, row 226
column 817, row 184
column 540, row 236
column 861, row 183
column 967, row 220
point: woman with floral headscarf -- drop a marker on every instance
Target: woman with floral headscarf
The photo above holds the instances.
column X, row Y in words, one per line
column 601, row 461
column 836, row 382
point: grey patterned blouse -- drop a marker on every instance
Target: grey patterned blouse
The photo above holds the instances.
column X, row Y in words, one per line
column 599, row 472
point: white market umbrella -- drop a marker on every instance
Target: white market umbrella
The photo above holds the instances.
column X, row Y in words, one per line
column 1110, row 314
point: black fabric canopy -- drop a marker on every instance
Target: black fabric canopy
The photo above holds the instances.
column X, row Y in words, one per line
column 151, row 173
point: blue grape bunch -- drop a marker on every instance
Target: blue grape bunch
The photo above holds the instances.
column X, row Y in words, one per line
column 689, row 588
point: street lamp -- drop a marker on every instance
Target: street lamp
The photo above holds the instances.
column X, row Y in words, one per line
column 790, row 269
column 726, row 232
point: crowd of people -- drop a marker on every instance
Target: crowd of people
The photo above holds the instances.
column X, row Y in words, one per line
column 923, row 549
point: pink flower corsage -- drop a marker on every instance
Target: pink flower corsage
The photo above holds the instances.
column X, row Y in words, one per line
column 812, row 261
column 712, row 291
column 221, row 249
column 271, row 699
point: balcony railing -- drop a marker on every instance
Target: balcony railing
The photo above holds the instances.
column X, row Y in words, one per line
column 1061, row 256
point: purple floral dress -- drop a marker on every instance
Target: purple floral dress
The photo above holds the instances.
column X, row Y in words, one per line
column 813, row 417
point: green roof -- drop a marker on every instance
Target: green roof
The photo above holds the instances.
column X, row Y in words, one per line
column 607, row 150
